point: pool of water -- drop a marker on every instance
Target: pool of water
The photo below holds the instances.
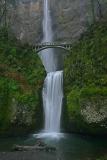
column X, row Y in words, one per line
column 69, row 146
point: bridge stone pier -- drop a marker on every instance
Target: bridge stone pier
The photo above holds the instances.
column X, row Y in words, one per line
column 42, row 46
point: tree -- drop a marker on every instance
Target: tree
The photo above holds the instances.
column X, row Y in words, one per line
column 99, row 9
column 93, row 10
column 3, row 12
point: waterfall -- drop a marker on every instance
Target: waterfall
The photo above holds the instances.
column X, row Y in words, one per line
column 47, row 55
column 52, row 99
column 53, row 84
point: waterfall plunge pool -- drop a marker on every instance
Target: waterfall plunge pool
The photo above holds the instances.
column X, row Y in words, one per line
column 69, row 147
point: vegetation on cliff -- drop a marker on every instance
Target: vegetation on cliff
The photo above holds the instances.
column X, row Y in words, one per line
column 21, row 79
column 86, row 81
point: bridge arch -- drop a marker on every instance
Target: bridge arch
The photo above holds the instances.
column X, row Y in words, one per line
column 47, row 47
column 44, row 46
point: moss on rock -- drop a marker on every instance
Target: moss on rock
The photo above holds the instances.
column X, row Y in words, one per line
column 88, row 112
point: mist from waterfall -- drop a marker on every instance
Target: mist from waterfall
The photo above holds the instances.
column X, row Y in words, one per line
column 53, row 84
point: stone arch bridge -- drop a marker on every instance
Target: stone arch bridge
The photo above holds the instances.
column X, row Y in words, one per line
column 42, row 46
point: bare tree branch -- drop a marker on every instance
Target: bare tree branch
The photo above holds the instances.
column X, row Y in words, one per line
column 93, row 10
column 100, row 9
column 3, row 12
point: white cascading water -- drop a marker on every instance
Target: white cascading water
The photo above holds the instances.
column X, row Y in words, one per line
column 47, row 55
column 53, row 84
column 52, row 99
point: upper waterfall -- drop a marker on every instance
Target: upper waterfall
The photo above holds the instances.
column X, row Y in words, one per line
column 47, row 25
column 47, row 56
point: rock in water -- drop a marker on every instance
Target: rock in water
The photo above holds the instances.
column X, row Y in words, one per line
column 40, row 146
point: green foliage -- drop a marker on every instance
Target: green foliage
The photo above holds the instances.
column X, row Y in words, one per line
column 85, row 77
column 86, row 65
column 21, row 79
column 74, row 97
column 102, row 158
column 73, row 102
column 93, row 91
column 5, row 101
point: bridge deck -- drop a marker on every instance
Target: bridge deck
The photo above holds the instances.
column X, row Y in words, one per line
column 52, row 44
column 42, row 46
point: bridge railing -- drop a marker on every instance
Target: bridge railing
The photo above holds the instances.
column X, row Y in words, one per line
column 52, row 44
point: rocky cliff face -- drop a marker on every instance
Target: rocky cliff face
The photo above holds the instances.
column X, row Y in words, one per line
column 26, row 20
column 70, row 18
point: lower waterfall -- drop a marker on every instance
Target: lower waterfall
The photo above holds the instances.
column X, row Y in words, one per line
column 52, row 101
